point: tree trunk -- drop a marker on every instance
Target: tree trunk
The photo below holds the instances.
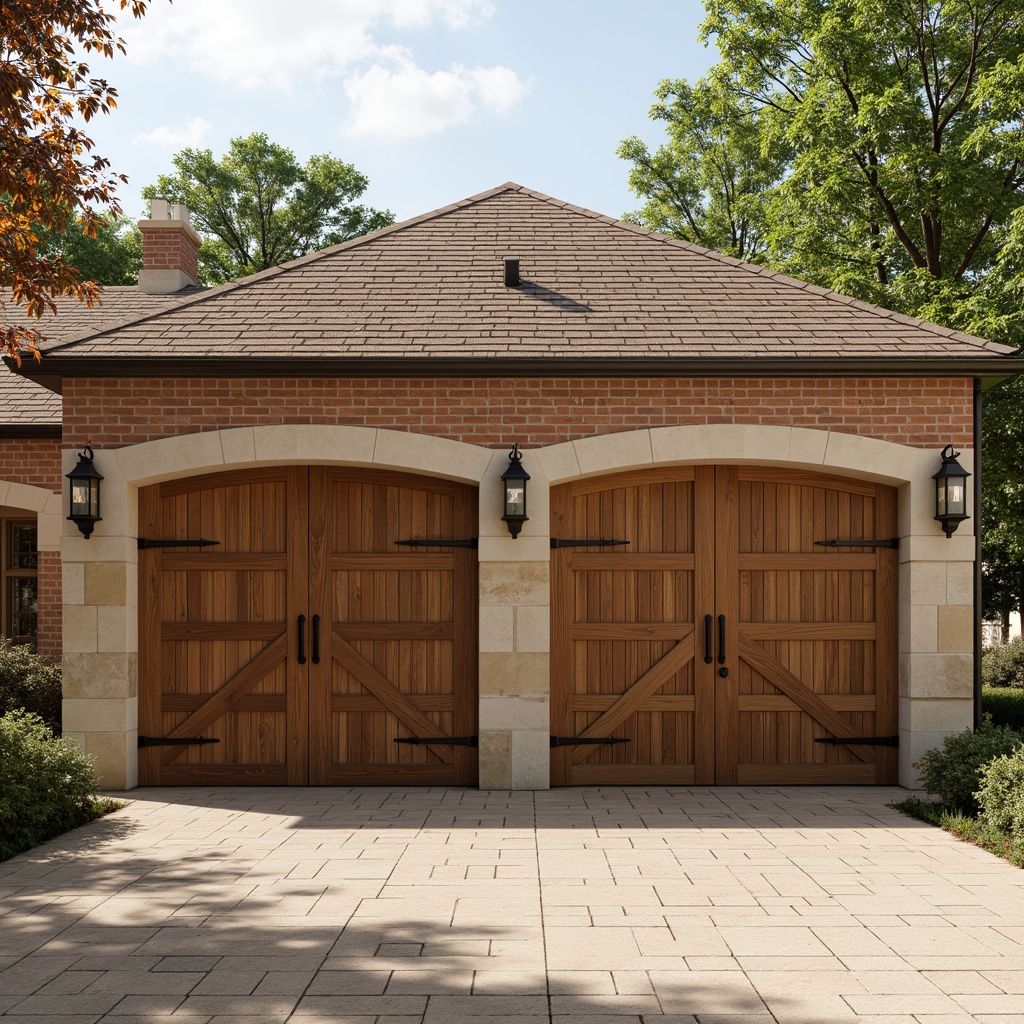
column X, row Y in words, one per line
column 1004, row 626
column 1020, row 596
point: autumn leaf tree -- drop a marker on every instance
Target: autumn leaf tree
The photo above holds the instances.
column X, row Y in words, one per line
column 50, row 176
column 257, row 206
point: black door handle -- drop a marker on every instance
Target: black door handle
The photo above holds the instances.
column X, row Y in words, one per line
column 302, row 640
column 707, row 640
column 316, row 639
column 721, row 639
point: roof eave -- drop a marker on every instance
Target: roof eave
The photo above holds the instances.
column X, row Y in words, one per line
column 57, row 367
column 11, row 431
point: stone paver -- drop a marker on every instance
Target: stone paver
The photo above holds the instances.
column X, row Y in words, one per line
column 444, row 906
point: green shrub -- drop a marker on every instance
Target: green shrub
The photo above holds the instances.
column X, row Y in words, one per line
column 46, row 785
column 1001, row 795
column 1004, row 665
column 28, row 681
column 952, row 771
column 1005, row 705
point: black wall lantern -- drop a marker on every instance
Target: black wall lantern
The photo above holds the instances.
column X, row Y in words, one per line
column 951, row 492
column 514, row 478
column 85, row 493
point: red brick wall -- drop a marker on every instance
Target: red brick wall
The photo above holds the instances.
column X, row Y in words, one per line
column 37, row 462
column 34, row 461
column 534, row 412
column 49, row 604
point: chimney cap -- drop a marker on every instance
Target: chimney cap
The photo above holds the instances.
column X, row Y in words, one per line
column 162, row 209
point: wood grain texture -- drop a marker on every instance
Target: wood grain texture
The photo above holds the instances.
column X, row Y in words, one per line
column 810, row 632
column 807, row 700
column 223, row 699
column 630, row 701
column 220, row 640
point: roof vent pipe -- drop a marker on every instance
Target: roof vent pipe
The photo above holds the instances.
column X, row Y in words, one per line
column 511, row 271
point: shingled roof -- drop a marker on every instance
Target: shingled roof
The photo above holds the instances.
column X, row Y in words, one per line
column 593, row 290
column 25, row 407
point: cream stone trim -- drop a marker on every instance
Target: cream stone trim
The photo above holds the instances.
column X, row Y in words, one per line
column 866, row 458
column 164, row 282
column 171, row 458
column 45, row 504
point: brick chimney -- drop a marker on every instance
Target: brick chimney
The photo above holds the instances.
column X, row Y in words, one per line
column 170, row 249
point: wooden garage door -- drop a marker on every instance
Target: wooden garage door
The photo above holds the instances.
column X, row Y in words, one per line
column 306, row 640
column 721, row 642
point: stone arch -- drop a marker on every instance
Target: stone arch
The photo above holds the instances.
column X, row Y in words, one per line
column 798, row 447
column 104, row 639
column 306, row 444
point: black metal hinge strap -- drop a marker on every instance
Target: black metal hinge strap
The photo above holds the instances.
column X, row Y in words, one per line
column 570, row 741
column 177, row 741
column 455, row 741
column 463, row 542
column 145, row 542
column 860, row 741
column 602, row 543
column 890, row 542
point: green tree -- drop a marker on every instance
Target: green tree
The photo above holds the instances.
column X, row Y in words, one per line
column 111, row 256
column 900, row 132
column 709, row 183
column 257, row 206
column 879, row 149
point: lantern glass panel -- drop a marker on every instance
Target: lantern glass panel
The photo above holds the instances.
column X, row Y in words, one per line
column 81, row 505
column 955, row 498
column 515, row 500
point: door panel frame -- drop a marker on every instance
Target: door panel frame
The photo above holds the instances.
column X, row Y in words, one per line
column 308, row 565
column 717, row 563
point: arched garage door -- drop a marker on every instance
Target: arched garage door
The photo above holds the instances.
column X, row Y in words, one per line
column 307, row 641
column 722, row 641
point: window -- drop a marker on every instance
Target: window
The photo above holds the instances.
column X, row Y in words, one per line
column 20, row 580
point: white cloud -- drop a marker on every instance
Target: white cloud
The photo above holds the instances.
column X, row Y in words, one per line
column 177, row 136
column 252, row 44
column 410, row 103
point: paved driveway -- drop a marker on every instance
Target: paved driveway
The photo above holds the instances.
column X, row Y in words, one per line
column 581, row 906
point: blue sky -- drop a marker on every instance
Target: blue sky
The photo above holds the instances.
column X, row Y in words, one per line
column 434, row 100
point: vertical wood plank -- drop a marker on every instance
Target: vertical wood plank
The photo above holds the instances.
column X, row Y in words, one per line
column 727, row 604
column 705, row 675
column 886, row 639
column 151, row 588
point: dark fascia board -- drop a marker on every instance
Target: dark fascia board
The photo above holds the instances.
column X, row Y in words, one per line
column 54, row 368
column 29, row 430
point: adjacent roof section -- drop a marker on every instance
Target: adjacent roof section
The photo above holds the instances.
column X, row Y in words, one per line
column 592, row 289
column 28, row 410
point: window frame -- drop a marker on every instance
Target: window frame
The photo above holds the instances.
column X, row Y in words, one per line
column 9, row 573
